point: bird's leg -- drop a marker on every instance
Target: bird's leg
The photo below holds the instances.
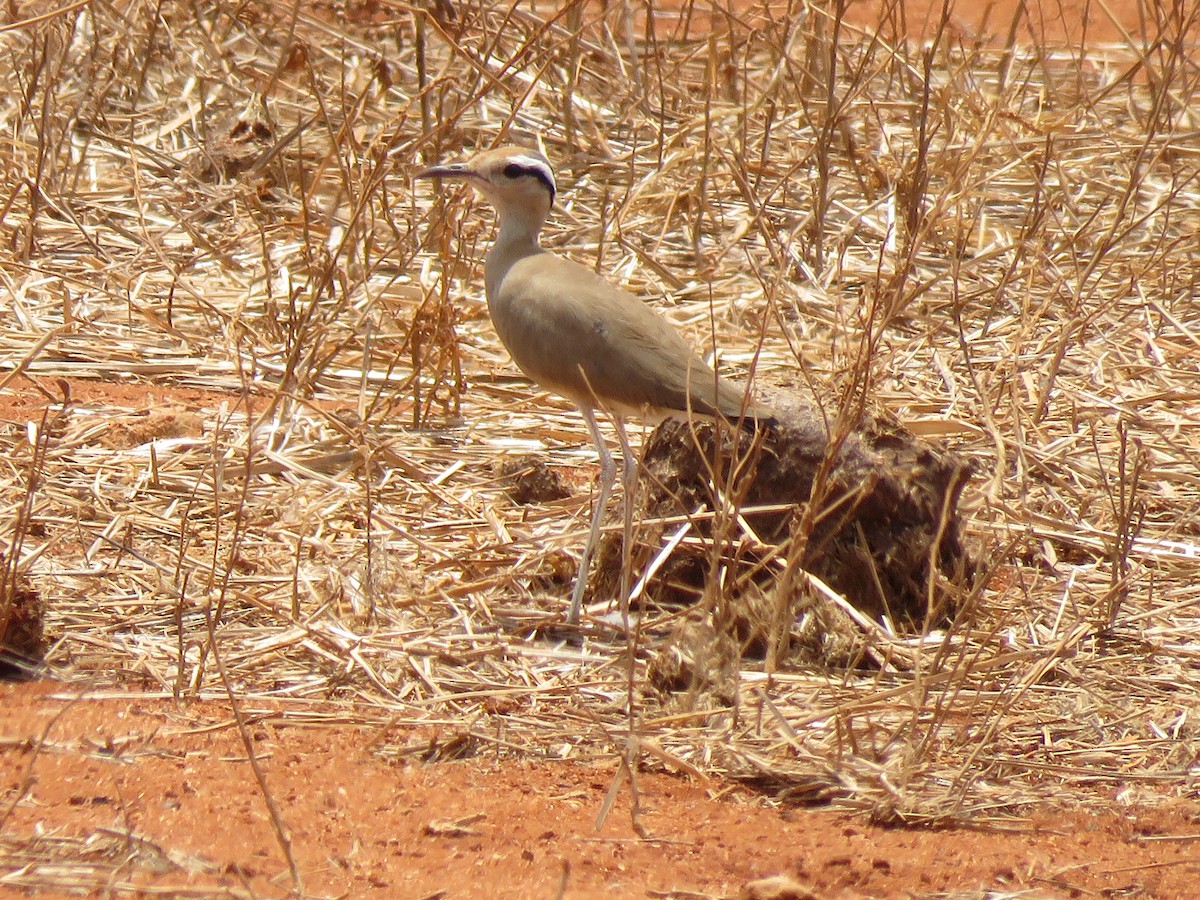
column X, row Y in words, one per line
column 629, row 472
column 629, row 482
column 608, row 474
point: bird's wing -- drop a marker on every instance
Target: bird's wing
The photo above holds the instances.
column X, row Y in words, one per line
column 578, row 335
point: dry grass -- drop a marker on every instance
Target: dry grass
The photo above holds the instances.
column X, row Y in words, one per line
column 1003, row 245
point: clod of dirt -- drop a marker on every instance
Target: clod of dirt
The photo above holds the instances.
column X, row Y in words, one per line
column 528, row 479
column 871, row 514
column 697, row 666
column 125, row 432
column 777, row 887
column 237, row 145
column 22, row 627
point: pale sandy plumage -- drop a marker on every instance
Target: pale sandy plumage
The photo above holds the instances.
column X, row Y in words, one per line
column 578, row 335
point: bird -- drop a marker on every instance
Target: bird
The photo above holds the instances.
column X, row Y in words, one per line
column 579, row 336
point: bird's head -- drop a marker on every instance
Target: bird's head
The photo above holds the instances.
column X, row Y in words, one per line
column 516, row 181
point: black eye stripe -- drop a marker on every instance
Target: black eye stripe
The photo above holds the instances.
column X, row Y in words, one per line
column 516, row 170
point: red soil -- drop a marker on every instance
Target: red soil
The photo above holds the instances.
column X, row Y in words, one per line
column 175, row 775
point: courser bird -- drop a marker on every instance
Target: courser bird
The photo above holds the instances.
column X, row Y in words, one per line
column 579, row 336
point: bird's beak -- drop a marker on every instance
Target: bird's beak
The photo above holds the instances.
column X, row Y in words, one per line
column 448, row 170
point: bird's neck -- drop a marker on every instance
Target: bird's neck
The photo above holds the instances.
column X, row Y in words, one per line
column 517, row 239
column 519, row 232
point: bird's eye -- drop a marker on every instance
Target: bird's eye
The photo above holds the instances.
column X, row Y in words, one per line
column 527, row 167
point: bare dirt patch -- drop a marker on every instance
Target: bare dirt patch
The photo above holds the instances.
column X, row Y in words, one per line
column 161, row 797
column 28, row 399
column 1055, row 23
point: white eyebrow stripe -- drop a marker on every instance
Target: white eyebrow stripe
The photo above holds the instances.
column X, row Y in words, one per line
column 535, row 162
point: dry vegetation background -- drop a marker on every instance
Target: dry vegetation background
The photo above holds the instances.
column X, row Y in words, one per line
column 1000, row 241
